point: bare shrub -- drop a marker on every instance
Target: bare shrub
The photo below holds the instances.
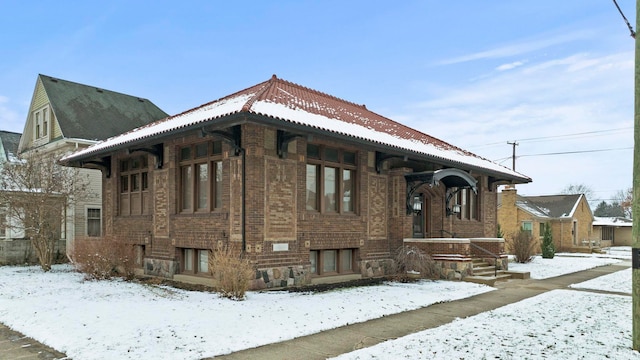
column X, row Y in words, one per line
column 103, row 258
column 231, row 271
column 522, row 246
column 411, row 262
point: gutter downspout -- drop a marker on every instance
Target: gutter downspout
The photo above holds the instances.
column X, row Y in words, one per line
column 244, row 202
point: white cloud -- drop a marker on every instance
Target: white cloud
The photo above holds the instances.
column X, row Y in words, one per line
column 572, row 94
column 510, row 66
column 521, row 47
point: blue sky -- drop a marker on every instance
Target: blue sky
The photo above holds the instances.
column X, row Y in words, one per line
column 476, row 74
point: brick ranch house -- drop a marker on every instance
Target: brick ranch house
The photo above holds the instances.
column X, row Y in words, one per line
column 306, row 185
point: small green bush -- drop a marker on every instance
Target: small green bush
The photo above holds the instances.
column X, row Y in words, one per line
column 548, row 248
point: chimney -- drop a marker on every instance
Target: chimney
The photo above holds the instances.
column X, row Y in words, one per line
column 509, row 197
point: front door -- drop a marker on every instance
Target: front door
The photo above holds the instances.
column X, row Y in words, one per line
column 420, row 217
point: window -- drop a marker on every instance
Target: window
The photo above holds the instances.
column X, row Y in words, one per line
column 41, row 123
column 541, row 234
column 331, row 261
column 468, row 201
column 201, row 177
column 139, row 255
column 527, row 226
column 3, row 224
column 94, row 222
column 607, row 233
column 331, row 175
column 195, row 261
column 134, row 186
column 188, row 259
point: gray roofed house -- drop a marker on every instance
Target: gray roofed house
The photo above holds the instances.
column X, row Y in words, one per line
column 65, row 116
column 8, row 145
column 62, row 109
column 569, row 215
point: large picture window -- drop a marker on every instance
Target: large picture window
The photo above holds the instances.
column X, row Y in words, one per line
column 134, row 186
column 331, row 175
column 200, row 177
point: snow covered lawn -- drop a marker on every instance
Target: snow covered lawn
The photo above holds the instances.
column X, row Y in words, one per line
column 122, row 320
column 562, row 264
column 560, row 324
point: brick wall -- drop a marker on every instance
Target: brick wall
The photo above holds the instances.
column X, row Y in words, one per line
column 280, row 232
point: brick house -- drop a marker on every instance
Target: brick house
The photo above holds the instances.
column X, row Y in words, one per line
column 65, row 116
column 612, row 231
column 570, row 217
column 306, row 185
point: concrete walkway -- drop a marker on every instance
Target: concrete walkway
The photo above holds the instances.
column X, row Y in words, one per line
column 352, row 337
column 14, row 345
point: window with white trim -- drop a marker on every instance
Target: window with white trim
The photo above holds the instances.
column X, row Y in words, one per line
column 41, row 123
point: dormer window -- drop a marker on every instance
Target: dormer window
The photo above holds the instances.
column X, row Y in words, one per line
column 41, row 123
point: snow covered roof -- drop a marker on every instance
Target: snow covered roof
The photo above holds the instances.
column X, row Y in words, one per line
column 549, row 206
column 297, row 105
column 612, row 221
column 9, row 146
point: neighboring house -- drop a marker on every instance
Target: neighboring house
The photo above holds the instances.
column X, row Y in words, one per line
column 65, row 116
column 612, row 231
column 569, row 215
column 12, row 241
column 306, row 185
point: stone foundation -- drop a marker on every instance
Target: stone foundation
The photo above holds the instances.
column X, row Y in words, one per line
column 160, row 267
column 278, row 277
column 376, row 268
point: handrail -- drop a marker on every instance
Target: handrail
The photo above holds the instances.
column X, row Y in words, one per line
column 495, row 265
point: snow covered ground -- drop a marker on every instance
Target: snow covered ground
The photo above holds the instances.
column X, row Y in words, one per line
column 122, row 320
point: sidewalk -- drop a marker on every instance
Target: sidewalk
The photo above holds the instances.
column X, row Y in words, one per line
column 14, row 345
column 352, row 337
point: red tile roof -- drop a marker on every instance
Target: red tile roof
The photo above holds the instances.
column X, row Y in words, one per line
column 290, row 102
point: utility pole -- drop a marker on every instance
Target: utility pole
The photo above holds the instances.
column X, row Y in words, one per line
column 635, row 232
column 513, row 157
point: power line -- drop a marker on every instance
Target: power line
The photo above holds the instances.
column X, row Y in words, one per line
column 562, row 153
column 577, row 152
column 544, row 138
column 633, row 33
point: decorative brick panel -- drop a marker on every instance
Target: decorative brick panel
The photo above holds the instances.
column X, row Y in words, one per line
column 280, row 200
column 377, row 207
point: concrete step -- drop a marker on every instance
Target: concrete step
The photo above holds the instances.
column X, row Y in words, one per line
column 486, row 280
